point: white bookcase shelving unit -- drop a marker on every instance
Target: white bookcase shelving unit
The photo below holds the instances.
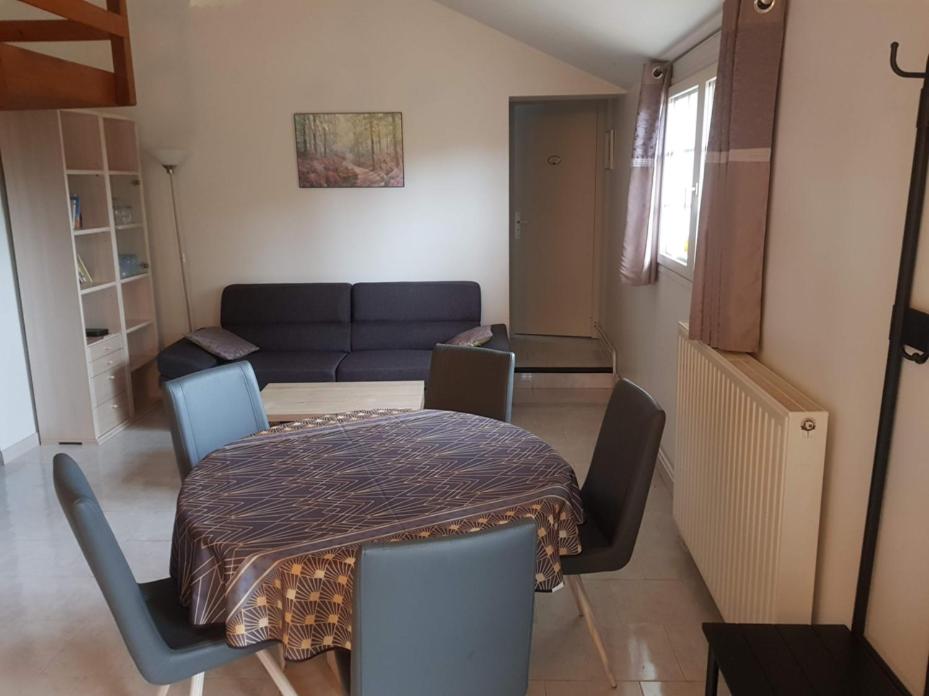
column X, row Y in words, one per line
column 77, row 215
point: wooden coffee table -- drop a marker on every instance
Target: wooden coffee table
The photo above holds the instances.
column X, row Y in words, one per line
column 290, row 402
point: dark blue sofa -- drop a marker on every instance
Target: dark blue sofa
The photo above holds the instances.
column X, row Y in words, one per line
column 325, row 332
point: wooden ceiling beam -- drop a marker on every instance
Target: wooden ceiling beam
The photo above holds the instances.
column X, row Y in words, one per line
column 86, row 13
column 49, row 30
column 122, row 57
column 31, row 80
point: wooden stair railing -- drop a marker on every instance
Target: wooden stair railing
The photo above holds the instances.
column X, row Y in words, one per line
column 32, row 80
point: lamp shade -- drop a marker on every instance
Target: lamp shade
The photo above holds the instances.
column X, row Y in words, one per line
column 169, row 157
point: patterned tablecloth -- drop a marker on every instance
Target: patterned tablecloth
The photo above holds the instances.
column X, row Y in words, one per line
column 268, row 529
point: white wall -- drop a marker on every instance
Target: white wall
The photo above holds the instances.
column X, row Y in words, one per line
column 223, row 80
column 844, row 146
column 17, row 422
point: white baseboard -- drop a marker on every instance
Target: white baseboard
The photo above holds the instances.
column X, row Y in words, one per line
column 666, row 469
column 8, row 454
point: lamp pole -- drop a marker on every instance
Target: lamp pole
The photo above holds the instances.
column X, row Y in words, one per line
column 171, row 160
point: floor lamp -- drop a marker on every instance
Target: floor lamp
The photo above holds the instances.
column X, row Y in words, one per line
column 171, row 160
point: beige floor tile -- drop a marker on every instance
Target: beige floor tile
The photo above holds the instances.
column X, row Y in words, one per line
column 536, row 688
column 690, row 648
column 591, row 688
column 673, row 688
column 640, row 651
column 60, row 638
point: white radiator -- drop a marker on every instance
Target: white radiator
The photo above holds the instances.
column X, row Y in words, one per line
column 748, row 476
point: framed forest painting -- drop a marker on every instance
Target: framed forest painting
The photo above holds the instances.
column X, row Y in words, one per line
column 349, row 150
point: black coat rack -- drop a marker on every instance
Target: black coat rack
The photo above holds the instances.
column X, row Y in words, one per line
column 908, row 327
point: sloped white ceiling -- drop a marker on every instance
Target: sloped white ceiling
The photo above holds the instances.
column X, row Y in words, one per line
column 608, row 38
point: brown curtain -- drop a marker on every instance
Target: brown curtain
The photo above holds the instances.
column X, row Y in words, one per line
column 639, row 262
column 725, row 309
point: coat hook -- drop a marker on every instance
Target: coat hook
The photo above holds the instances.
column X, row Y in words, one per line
column 894, row 47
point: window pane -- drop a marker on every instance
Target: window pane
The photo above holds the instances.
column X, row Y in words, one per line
column 677, row 176
column 707, row 119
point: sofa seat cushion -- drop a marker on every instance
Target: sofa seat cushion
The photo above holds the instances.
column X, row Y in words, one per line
column 295, row 366
column 385, row 365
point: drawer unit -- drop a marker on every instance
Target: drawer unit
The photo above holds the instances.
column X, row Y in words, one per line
column 111, row 413
column 109, row 383
column 107, row 362
column 98, row 349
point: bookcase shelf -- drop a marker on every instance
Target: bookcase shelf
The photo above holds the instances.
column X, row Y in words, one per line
column 97, row 287
column 91, row 230
column 133, row 278
column 77, row 207
column 137, row 324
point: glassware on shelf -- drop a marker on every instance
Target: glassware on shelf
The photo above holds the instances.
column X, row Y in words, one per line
column 131, row 265
column 122, row 212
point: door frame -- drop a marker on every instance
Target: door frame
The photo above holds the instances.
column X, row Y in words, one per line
column 605, row 164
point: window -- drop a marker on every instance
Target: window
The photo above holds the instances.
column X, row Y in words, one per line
column 687, row 127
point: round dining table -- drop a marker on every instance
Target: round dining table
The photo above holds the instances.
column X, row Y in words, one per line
column 269, row 528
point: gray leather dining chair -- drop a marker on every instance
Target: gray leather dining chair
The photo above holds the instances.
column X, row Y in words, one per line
column 614, row 494
column 471, row 380
column 165, row 647
column 450, row 616
column 210, row 409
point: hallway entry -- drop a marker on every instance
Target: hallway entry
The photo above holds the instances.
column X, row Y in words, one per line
column 556, row 160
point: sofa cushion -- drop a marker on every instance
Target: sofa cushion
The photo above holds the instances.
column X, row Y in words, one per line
column 472, row 338
column 384, row 365
column 290, row 316
column 295, row 366
column 412, row 315
column 221, row 343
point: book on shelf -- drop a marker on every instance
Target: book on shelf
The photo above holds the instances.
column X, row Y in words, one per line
column 83, row 275
column 76, row 212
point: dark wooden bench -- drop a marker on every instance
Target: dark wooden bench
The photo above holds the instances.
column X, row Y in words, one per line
column 788, row 660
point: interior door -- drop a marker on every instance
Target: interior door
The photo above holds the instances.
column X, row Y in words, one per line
column 554, row 207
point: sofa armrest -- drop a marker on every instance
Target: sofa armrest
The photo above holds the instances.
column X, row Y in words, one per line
column 500, row 339
column 183, row 358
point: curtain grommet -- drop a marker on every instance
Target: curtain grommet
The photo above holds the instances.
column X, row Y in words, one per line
column 764, row 6
column 657, row 72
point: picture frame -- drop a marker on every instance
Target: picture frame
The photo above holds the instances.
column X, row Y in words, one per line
column 349, row 149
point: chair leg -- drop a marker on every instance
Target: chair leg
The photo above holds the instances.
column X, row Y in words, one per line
column 268, row 659
column 587, row 613
column 577, row 599
column 196, row 685
column 712, row 674
column 163, row 690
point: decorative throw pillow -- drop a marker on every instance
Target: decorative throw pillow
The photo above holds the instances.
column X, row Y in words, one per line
column 477, row 336
column 221, row 343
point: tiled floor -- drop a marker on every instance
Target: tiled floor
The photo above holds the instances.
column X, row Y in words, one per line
column 59, row 638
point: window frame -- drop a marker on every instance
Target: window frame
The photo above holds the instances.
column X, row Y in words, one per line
column 699, row 79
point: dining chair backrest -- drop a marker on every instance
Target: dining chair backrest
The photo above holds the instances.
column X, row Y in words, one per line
column 449, row 616
column 95, row 537
column 471, row 380
column 620, row 475
column 210, row 409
